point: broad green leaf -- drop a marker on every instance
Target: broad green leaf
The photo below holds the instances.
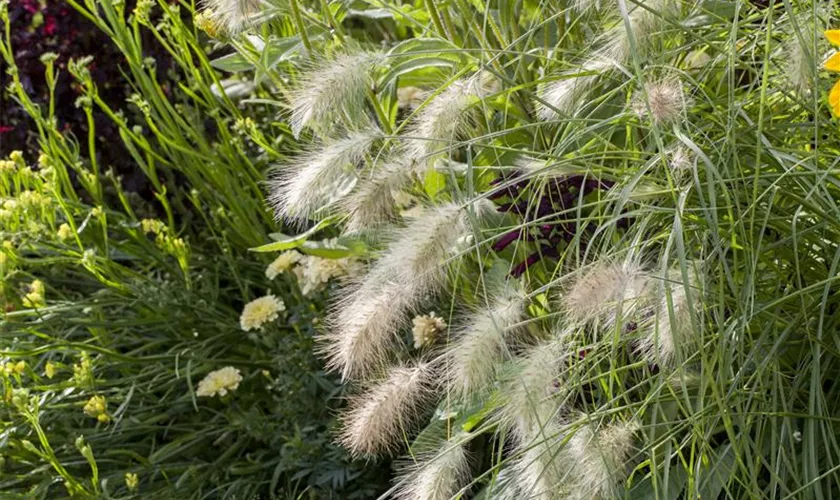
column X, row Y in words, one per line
column 285, row 242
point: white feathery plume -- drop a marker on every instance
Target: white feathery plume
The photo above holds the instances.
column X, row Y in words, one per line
column 317, row 179
column 598, row 460
column 539, row 471
column 372, row 203
column 663, row 101
column 234, row 16
column 364, row 326
column 333, row 90
column 605, row 290
column 446, row 117
column 482, row 342
column 568, row 94
column 416, row 255
column 366, row 323
column 435, row 476
column 669, row 329
column 529, row 399
column 376, row 420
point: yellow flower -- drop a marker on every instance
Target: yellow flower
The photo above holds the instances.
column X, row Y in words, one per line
column 152, row 226
column 35, row 297
column 97, row 407
column 219, row 382
column 261, row 311
column 131, row 480
column 64, row 232
column 833, row 64
column 49, row 370
column 281, row 264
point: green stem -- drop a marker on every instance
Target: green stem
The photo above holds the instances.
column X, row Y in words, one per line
column 301, row 28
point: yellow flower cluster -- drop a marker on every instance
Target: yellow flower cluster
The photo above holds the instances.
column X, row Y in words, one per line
column 16, row 368
column 833, row 64
column 97, row 407
column 35, row 297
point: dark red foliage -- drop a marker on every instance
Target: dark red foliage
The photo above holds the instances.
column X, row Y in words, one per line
column 40, row 26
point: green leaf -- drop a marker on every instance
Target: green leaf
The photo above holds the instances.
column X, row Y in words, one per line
column 234, row 63
column 285, row 242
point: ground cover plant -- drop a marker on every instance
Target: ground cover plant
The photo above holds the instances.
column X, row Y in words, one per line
column 586, row 249
column 146, row 352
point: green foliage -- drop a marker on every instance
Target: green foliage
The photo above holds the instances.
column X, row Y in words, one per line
column 118, row 303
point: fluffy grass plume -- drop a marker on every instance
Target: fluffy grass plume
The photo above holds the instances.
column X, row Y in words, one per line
column 371, row 204
column 365, row 324
column 317, row 179
column 669, row 331
column 604, row 291
column 446, row 117
column 481, row 343
column 332, row 92
column 435, row 475
column 598, row 460
column 569, row 93
column 376, row 420
column 662, row 101
column 234, row 16
column 530, row 397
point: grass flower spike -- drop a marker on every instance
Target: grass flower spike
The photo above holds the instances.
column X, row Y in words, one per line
column 316, row 180
column 605, row 290
column 219, row 382
column 231, row 16
column 376, row 420
column 260, row 311
column 333, row 92
column 435, row 475
column 833, row 64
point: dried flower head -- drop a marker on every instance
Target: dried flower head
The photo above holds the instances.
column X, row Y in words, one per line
column 426, row 329
column 376, row 420
column 219, row 382
column 662, row 101
column 260, row 311
column 313, row 273
column 333, row 92
column 281, row 264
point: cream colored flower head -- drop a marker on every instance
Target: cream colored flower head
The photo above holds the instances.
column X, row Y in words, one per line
column 219, row 382
column 315, row 272
column 260, row 311
column 281, row 264
column 426, row 329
